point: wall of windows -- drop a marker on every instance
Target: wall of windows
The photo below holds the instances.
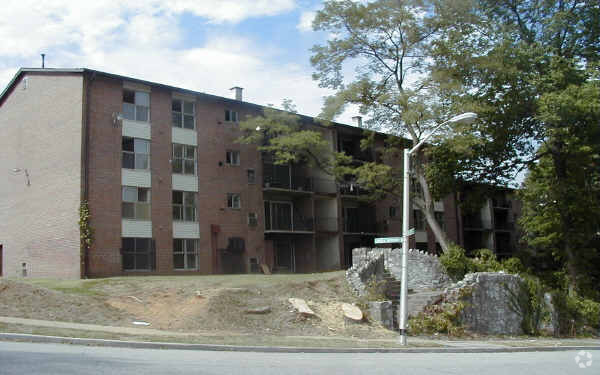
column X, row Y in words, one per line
column 184, row 206
column 183, row 114
column 138, row 254
column 136, row 105
column 184, row 159
column 136, row 153
column 136, row 203
column 185, row 254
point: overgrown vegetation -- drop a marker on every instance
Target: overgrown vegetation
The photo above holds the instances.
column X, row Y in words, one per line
column 86, row 232
column 443, row 317
column 457, row 264
column 574, row 314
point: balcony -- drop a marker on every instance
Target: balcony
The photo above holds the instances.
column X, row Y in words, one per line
column 280, row 177
column 294, row 183
column 352, row 189
column 282, row 217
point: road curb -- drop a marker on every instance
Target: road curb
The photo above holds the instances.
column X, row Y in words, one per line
column 21, row 337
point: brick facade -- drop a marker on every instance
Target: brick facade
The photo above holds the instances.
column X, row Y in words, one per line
column 71, row 147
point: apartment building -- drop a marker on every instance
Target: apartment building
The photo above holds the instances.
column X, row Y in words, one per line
column 168, row 188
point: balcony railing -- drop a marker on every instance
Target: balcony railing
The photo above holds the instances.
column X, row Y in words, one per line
column 326, row 224
column 352, row 188
column 296, row 183
column 297, row 224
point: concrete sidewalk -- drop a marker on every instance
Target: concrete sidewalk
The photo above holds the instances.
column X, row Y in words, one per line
column 416, row 344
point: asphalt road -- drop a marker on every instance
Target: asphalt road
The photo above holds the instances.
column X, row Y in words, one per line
column 26, row 358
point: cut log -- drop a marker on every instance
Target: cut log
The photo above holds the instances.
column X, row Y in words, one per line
column 301, row 306
column 352, row 313
column 265, row 269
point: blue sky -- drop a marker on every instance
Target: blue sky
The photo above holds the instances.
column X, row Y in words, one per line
column 203, row 45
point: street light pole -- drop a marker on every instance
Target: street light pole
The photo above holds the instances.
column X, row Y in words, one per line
column 465, row 118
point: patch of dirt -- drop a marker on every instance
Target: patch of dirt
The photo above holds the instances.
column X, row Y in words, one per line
column 26, row 301
column 189, row 305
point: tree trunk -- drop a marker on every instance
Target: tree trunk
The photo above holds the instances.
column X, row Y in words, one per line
column 426, row 205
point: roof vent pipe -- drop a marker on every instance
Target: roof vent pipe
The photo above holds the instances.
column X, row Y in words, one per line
column 238, row 92
column 357, row 121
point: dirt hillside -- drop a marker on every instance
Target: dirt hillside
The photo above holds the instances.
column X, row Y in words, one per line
column 215, row 304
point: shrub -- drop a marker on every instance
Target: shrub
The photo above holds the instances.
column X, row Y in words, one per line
column 576, row 315
column 455, row 262
column 442, row 318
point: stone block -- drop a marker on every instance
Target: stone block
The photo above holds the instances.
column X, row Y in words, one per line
column 382, row 312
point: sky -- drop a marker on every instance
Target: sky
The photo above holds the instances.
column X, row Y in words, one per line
column 202, row 45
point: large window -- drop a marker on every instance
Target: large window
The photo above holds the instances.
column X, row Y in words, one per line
column 185, row 254
column 184, row 206
column 138, row 254
column 136, row 105
column 136, row 203
column 135, row 153
column 184, row 159
column 183, row 113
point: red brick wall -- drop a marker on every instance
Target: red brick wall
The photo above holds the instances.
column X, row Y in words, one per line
column 104, row 176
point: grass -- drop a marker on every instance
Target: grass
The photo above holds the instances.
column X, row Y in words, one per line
column 242, row 340
column 94, row 287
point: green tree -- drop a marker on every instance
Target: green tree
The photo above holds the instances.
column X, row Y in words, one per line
column 286, row 136
column 531, row 69
column 391, row 43
column 561, row 195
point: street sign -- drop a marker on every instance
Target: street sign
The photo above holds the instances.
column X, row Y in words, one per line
column 388, row 240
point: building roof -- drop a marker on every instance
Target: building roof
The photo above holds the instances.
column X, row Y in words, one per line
column 21, row 71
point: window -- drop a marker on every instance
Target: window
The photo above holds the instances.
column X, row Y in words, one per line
column 419, row 220
column 184, row 159
column 251, row 176
column 183, row 113
column 185, row 254
column 135, row 153
column 393, row 211
column 232, row 157
column 231, row 116
column 439, row 217
column 136, row 105
column 234, row 201
column 138, row 254
column 184, row 206
column 136, row 203
column 252, row 219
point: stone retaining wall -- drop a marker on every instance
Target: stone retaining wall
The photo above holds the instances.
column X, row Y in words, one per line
column 424, row 270
column 489, row 302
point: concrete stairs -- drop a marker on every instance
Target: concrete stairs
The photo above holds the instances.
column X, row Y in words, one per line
column 417, row 301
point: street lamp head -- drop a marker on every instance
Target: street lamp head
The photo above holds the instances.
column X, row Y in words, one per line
column 465, row 118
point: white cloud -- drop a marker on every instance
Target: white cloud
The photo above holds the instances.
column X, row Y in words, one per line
column 144, row 41
column 306, row 19
column 230, row 10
